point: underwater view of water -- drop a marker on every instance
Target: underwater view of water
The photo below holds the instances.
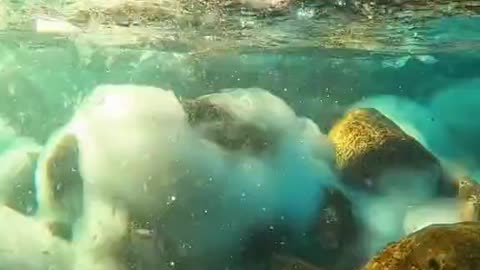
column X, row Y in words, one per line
column 241, row 134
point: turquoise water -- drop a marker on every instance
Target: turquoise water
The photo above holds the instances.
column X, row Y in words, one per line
column 215, row 207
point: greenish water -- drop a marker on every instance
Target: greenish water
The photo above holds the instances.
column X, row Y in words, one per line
column 318, row 83
column 425, row 76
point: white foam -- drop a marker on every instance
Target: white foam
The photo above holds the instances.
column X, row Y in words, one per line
column 138, row 155
column 438, row 211
column 28, row 245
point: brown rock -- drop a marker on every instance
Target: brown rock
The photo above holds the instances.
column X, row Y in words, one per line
column 219, row 126
column 336, row 227
column 437, row 247
column 201, row 110
column 335, row 237
column 60, row 192
column 368, row 145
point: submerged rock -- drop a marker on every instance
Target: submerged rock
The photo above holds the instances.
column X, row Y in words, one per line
column 469, row 193
column 237, row 119
column 437, row 247
column 60, row 185
column 378, row 9
column 127, row 148
column 467, row 187
column 128, row 12
column 335, row 234
column 123, row 12
column 272, row 5
column 336, row 227
column 221, row 126
column 369, row 146
column 87, row 193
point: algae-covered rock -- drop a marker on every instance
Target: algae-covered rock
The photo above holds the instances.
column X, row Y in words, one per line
column 368, row 145
column 437, row 247
column 200, row 110
column 221, row 127
column 333, row 240
column 237, row 119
